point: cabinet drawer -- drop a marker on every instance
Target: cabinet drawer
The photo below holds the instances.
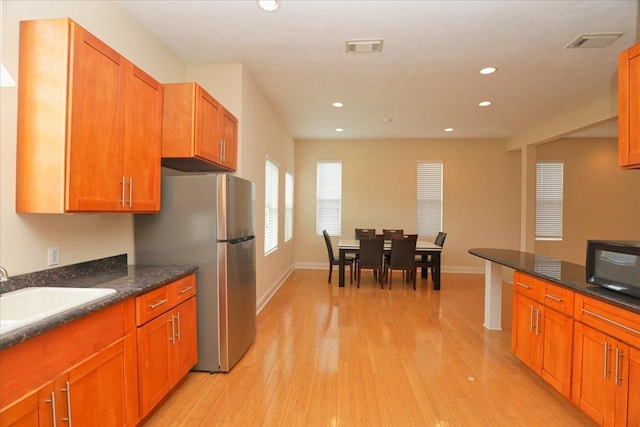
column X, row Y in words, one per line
column 152, row 304
column 183, row 289
column 524, row 284
column 555, row 297
column 614, row 321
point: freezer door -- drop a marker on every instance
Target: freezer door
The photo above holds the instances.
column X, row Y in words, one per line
column 236, row 200
column 237, row 279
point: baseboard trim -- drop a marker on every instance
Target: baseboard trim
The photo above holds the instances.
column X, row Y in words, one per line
column 463, row 269
column 262, row 303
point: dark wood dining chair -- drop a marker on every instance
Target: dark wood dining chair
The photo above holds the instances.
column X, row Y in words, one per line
column 388, row 232
column 428, row 262
column 402, row 257
column 371, row 257
column 333, row 260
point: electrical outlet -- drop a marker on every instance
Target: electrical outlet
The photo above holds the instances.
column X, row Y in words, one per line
column 53, row 255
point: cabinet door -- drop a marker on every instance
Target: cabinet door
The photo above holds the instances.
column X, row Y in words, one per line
column 557, row 335
column 92, row 145
column 141, row 142
column 633, row 399
column 524, row 339
column 153, row 362
column 629, row 107
column 94, row 390
column 207, row 143
column 35, row 409
column 593, row 391
column 229, row 135
column 186, row 340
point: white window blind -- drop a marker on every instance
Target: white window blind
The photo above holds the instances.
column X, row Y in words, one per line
column 329, row 197
column 429, row 198
column 288, row 206
column 270, row 207
column 549, row 194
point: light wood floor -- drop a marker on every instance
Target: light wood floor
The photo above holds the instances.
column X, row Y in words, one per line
column 326, row 356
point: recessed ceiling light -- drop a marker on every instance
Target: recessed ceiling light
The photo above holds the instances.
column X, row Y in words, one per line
column 338, row 104
column 388, row 120
column 485, row 103
column 339, row 130
column 448, row 130
column 488, row 70
column 269, row 5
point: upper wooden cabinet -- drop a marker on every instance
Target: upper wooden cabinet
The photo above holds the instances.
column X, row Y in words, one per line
column 198, row 133
column 89, row 125
column 629, row 107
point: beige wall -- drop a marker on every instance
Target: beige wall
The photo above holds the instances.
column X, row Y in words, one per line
column 24, row 238
column 481, row 193
column 601, row 201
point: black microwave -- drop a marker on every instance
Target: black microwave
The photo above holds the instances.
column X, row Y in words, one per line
column 614, row 264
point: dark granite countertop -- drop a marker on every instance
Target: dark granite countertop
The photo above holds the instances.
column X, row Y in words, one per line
column 113, row 272
column 560, row 272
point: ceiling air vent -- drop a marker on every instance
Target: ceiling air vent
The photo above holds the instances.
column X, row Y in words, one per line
column 363, row 46
column 593, row 40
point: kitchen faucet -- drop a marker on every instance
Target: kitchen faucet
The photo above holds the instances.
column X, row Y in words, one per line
column 4, row 276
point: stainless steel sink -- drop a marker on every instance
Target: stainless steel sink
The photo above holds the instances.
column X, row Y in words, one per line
column 29, row 305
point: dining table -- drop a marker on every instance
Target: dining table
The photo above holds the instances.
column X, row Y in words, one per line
column 424, row 248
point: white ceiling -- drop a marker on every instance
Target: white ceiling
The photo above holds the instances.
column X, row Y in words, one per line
column 427, row 76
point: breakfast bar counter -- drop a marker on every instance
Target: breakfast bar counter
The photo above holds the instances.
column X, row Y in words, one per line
column 560, row 272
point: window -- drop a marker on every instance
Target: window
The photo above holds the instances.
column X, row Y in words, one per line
column 549, row 189
column 288, row 206
column 329, row 197
column 270, row 207
column 429, row 197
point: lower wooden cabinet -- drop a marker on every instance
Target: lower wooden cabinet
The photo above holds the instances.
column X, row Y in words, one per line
column 606, row 365
column 167, row 344
column 35, row 409
column 541, row 336
column 92, row 393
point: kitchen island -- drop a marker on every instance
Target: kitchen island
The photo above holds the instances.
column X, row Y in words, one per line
column 560, row 272
column 582, row 339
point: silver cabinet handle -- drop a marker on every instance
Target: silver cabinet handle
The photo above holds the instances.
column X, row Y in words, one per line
column 606, row 359
column 522, row 285
column 68, row 391
column 224, row 150
column 179, row 329
column 221, row 150
column 123, row 183
column 173, row 330
column 619, row 354
column 553, row 297
column 538, row 316
column 158, row 304
column 531, row 319
column 53, row 408
column 613, row 322
column 130, row 192
column 185, row 290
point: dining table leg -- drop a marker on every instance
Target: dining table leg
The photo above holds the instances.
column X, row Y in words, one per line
column 435, row 256
column 341, row 259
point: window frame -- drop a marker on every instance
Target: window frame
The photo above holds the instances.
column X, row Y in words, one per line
column 329, row 197
column 429, row 197
column 271, row 200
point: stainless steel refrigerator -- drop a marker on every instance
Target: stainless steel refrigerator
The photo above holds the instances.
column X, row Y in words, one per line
column 208, row 220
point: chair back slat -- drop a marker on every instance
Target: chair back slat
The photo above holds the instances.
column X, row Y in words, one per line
column 327, row 241
column 364, row 232
column 389, row 233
